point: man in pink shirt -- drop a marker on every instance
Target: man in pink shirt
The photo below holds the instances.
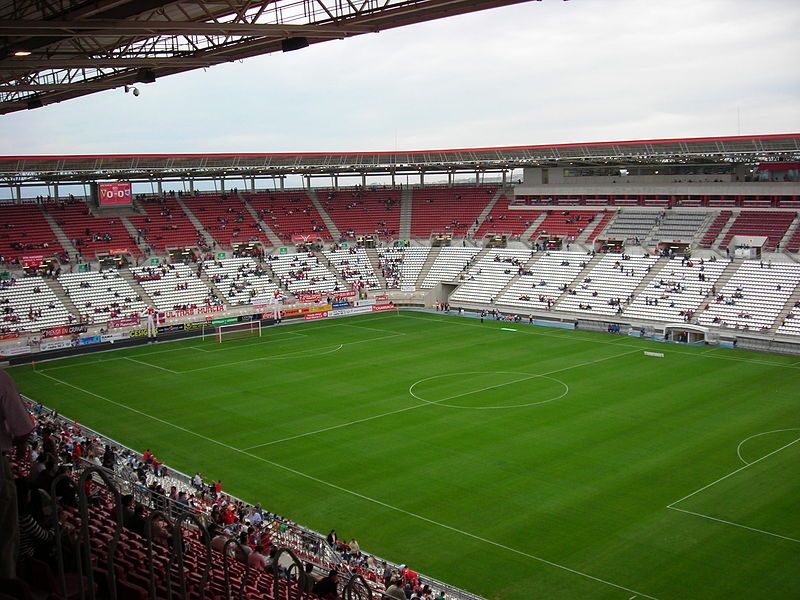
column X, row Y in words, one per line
column 15, row 427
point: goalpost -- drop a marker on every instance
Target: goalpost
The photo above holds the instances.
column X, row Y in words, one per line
column 238, row 330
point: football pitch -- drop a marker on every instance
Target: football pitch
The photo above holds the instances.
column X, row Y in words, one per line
column 517, row 462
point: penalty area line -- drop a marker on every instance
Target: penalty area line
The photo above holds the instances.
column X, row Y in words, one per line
column 358, row 494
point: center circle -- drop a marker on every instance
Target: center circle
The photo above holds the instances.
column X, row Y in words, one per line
column 441, row 380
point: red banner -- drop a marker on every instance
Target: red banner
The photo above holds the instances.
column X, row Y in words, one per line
column 382, row 298
column 114, row 194
column 147, row 277
column 315, row 316
column 346, row 294
column 296, row 312
column 301, row 239
column 310, row 297
column 382, row 307
column 124, row 322
column 118, row 251
column 11, row 335
column 31, row 261
column 64, row 330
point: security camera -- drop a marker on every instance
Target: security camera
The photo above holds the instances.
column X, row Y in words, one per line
column 135, row 91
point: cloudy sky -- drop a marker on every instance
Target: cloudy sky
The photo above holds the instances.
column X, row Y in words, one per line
column 540, row 72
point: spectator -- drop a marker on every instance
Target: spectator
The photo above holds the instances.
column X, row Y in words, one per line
column 15, row 427
column 327, row 588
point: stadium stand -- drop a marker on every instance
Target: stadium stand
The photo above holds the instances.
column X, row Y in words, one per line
column 164, row 224
column 505, row 220
column 488, row 275
column 24, row 232
column 448, row 265
column 364, row 211
column 565, row 223
column 753, row 297
column 289, row 214
column 543, row 281
column 29, row 305
column 601, row 225
column 401, row 266
column 773, row 225
column 790, row 325
column 100, row 296
column 608, row 287
column 175, row 287
column 447, row 210
column 226, row 218
column 90, row 234
column 676, row 291
column 302, row 272
column 631, row 224
column 240, row 279
column 676, row 225
column 353, row 266
column 717, row 225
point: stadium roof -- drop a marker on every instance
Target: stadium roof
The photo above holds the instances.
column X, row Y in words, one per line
column 55, row 51
column 154, row 166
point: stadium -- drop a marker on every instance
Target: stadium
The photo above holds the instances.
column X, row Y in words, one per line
column 557, row 371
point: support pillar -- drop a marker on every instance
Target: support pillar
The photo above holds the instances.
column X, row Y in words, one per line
column 477, row 177
column 363, row 180
column 283, row 181
column 252, row 184
column 505, row 177
column 191, row 185
column 393, row 183
column 450, row 179
column 55, row 192
column 222, row 184
column 160, row 187
column 19, row 193
column 422, row 177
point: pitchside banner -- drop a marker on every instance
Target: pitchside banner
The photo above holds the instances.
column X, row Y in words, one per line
column 126, row 322
column 64, row 330
column 315, row 316
column 114, row 193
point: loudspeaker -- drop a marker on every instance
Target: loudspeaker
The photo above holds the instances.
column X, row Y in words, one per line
column 294, row 43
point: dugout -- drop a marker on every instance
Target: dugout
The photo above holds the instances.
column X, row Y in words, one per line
column 685, row 333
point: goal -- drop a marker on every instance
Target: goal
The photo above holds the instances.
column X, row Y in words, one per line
column 238, row 331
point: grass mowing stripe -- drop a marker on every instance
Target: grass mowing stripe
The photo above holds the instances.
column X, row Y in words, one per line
column 615, row 342
column 357, row 494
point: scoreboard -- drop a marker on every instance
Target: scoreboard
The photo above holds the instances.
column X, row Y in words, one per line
column 114, row 193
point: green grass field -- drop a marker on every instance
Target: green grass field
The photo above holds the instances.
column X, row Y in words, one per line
column 535, row 463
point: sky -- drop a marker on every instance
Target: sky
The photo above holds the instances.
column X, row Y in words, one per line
column 536, row 73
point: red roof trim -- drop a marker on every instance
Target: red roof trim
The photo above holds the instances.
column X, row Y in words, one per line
column 772, row 136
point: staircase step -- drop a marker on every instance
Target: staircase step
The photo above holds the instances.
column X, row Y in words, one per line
column 526, row 235
column 61, row 294
column 273, row 238
column 212, row 243
column 405, row 214
column 62, row 238
column 326, row 218
column 485, row 213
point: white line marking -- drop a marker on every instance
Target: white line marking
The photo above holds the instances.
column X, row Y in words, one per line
column 407, row 408
column 739, row 447
column 777, row 535
column 371, row 329
column 705, row 487
column 359, row 495
column 152, row 366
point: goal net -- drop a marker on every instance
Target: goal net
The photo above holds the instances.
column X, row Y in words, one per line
column 238, row 330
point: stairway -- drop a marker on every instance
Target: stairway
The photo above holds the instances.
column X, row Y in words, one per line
column 62, row 238
column 718, row 240
column 273, row 238
column 127, row 275
column 787, row 308
column 213, row 286
column 323, row 260
column 724, row 277
column 423, row 272
column 372, row 255
column 655, row 268
column 212, row 243
column 513, row 280
column 405, row 214
column 326, row 218
column 485, row 213
column 526, row 235
column 701, row 231
column 142, row 244
column 581, row 239
column 62, row 296
column 789, row 232
column 579, row 277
